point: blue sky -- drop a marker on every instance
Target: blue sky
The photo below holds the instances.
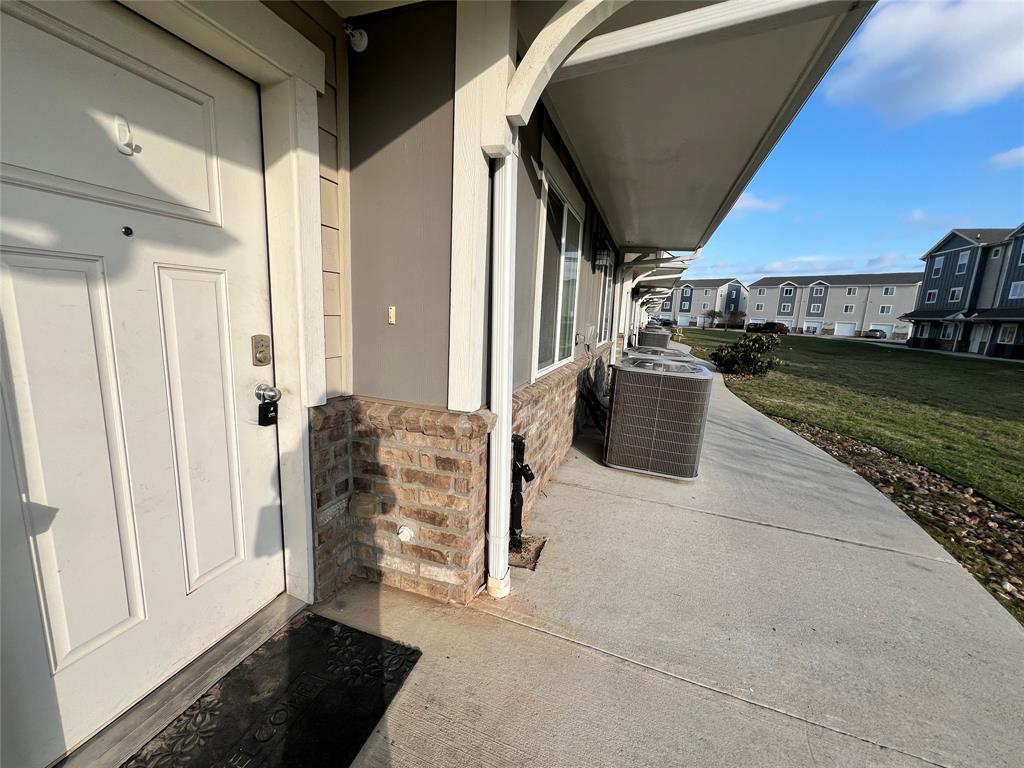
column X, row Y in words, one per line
column 917, row 129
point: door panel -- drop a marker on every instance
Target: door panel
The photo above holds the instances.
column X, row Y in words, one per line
column 141, row 517
column 86, row 566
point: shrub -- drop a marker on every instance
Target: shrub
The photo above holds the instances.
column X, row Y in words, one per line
column 750, row 355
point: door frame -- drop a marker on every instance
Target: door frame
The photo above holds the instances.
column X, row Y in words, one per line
column 252, row 40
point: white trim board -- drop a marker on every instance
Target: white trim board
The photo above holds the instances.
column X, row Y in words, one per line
column 251, row 39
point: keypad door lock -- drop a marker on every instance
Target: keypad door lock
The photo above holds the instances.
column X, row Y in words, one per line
column 262, row 353
column 268, row 397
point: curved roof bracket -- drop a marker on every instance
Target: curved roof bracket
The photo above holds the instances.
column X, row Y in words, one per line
column 567, row 28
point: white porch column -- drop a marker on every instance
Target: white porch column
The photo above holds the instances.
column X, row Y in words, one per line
column 503, row 257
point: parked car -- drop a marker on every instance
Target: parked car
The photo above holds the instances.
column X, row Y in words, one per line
column 769, row 328
column 753, row 327
column 875, row 333
column 666, row 321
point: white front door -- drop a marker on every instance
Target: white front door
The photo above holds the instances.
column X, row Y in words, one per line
column 980, row 334
column 140, row 504
column 846, row 329
column 812, row 326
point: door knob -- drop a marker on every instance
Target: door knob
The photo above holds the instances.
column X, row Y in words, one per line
column 265, row 393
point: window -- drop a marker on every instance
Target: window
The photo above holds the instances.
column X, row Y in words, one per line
column 786, row 308
column 947, row 331
column 889, row 290
column 666, row 305
column 961, row 262
column 787, row 291
column 685, row 306
column 922, row 331
column 955, row 294
column 1017, row 290
column 815, row 308
column 848, row 309
column 607, row 301
column 819, row 290
column 705, row 305
column 1020, row 261
column 937, row 266
column 930, row 297
column 758, row 307
column 557, row 317
column 760, row 291
column 851, row 291
column 997, row 252
column 686, row 292
column 885, row 309
column 730, row 308
column 1007, row 333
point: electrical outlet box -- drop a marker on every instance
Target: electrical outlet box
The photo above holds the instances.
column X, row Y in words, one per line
column 392, row 315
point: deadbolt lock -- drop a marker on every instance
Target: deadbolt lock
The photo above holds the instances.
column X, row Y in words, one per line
column 262, row 354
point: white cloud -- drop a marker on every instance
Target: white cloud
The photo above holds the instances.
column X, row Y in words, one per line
column 749, row 202
column 1008, row 159
column 916, row 59
column 894, row 261
column 921, row 219
column 805, row 265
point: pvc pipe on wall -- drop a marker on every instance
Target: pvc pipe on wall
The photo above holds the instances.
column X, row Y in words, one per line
column 503, row 257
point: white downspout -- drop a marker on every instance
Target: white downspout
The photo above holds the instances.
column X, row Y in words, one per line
column 615, row 308
column 503, row 259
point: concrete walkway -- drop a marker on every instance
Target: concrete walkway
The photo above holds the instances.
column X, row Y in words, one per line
column 776, row 612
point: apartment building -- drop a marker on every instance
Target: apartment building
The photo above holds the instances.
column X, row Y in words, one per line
column 972, row 296
column 837, row 305
column 689, row 303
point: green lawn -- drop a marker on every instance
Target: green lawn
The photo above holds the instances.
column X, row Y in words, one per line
column 961, row 417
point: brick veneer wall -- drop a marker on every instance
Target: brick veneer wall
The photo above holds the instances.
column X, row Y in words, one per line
column 379, row 466
column 548, row 413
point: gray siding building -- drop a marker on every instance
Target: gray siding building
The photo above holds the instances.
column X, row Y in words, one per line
column 689, row 303
column 836, row 305
column 972, row 296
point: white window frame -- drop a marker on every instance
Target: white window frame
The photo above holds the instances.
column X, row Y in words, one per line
column 963, row 259
column 761, row 291
column 819, row 290
column 958, row 297
column 707, row 291
column 997, row 252
column 889, row 290
column 604, row 331
column 885, row 309
column 930, row 297
column 684, row 307
column 1020, row 257
column 687, row 292
column 786, row 308
column 937, row 265
column 815, row 307
column 538, row 372
column 851, row 291
column 759, row 307
column 1016, row 290
column 922, row 330
column 787, row 291
column 849, row 309
column 705, row 305
column 952, row 332
column 1012, row 327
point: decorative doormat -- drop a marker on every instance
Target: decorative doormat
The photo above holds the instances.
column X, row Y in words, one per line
column 528, row 556
column 309, row 696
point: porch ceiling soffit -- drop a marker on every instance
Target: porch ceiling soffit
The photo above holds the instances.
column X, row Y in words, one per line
column 631, row 86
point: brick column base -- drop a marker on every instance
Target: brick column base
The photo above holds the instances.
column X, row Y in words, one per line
column 400, row 495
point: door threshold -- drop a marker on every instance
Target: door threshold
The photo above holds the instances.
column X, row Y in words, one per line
column 117, row 742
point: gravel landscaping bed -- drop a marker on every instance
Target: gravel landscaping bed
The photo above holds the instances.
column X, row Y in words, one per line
column 985, row 537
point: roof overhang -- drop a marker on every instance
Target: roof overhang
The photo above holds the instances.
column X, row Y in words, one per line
column 670, row 128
